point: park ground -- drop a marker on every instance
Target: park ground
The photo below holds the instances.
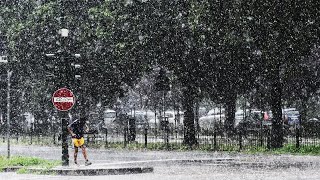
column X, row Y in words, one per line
column 180, row 164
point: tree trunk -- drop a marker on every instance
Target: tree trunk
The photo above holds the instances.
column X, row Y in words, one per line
column 277, row 130
column 303, row 110
column 197, row 117
column 230, row 112
column 189, row 128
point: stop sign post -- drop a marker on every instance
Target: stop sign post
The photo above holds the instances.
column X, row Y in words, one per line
column 63, row 99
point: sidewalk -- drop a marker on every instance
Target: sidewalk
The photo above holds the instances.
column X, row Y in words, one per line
column 147, row 166
column 112, row 161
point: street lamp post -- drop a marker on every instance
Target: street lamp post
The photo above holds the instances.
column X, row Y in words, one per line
column 65, row 80
column 3, row 59
column 9, row 73
column 64, row 115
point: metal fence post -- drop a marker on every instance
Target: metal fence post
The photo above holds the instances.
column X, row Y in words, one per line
column 125, row 136
column 106, row 140
column 261, row 132
column 297, row 137
column 145, row 137
column 215, row 138
column 167, row 132
column 268, row 138
column 240, row 139
column 31, row 133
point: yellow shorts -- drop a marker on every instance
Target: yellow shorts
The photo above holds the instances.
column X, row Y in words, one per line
column 78, row 142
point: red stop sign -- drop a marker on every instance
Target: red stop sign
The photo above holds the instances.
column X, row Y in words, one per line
column 63, row 99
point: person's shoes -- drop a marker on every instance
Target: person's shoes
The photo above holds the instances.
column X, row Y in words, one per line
column 76, row 163
column 87, row 163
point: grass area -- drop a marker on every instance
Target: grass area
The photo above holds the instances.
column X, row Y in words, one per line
column 26, row 140
column 27, row 162
column 289, row 148
column 304, row 150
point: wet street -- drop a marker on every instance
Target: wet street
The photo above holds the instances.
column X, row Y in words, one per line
column 181, row 165
column 189, row 172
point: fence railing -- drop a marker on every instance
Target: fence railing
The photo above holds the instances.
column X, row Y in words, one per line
column 173, row 138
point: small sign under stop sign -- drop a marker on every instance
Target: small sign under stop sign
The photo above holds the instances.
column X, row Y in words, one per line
column 63, row 99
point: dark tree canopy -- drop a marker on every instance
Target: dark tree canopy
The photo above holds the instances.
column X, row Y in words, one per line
column 213, row 50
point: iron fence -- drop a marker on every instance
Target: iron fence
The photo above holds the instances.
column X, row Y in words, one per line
column 173, row 138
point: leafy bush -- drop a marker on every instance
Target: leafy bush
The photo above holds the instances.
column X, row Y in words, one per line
column 26, row 162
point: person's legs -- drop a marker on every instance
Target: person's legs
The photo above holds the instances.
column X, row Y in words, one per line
column 84, row 152
column 76, row 145
column 75, row 154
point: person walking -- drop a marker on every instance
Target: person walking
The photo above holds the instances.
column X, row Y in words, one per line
column 77, row 128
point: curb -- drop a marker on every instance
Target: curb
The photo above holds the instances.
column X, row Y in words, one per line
column 170, row 161
column 138, row 167
column 85, row 172
column 101, row 171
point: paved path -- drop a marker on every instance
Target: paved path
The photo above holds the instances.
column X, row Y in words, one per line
column 190, row 173
column 109, row 155
column 102, row 155
column 180, row 165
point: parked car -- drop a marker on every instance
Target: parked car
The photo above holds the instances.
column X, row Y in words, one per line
column 95, row 123
column 312, row 126
column 143, row 118
column 153, row 122
column 291, row 116
column 313, row 120
column 250, row 120
column 239, row 118
column 109, row 117
column 174, row 118
column 214, row 117
column 267, row 119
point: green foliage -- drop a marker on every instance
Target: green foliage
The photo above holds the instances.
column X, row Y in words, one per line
column 304, row 150
column 27, row 162
column 23, row 171
column 287, row 149
column 254, row 150
column 209, row 47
